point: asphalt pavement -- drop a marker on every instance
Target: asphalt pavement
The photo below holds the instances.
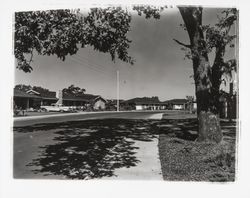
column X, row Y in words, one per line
column 63, row 141
column 64, row 117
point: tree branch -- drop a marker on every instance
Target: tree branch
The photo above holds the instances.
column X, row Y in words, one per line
column 180, row 43
column 31, row 57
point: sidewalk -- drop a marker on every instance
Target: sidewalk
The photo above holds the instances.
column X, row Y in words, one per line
column 148, row 167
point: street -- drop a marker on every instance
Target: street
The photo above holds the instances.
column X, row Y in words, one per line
column 109, row 145
column 63, row 117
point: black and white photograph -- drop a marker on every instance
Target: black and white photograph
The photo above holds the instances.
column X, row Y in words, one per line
column 130, row 92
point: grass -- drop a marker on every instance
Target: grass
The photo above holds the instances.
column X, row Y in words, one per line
column 183, row 159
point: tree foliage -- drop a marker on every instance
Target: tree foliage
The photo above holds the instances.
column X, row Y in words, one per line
column 38, row 89
column 217, row 39
column 22, row 87
column 73, row 90
column 41, row 90
column 63, row 32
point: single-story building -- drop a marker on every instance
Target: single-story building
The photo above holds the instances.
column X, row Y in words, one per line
column 32, row 99
column 47, row 98
column 178, row 104
column 145, row 103
column 23, row 100
column 87, row 100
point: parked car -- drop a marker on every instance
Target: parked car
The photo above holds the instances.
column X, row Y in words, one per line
column 56, row 108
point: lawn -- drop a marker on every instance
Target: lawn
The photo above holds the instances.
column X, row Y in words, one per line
column 184, row 159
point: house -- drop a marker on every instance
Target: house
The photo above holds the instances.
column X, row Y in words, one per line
column 97, row 102
column 178, row 104
column 146, row 103
column 47, row 97
column 32, row 99
column 88, row 100
column 23, row 100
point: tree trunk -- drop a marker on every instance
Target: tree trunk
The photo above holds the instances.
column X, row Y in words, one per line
column 207, row 112
column 209, row 127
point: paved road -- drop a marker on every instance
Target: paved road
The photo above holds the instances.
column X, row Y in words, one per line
column 30, row 120
column 53, row 146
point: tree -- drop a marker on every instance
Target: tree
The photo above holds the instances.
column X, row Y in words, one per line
column 208, row 78
column 22, row 87
column 73, row 90
column 190, row 100
column 25, row 88
column 40, row 90
column 62, row 32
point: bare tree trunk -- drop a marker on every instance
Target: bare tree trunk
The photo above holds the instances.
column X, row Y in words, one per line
column 207, row 112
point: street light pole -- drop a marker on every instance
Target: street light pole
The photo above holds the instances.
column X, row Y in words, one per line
column 117, row 77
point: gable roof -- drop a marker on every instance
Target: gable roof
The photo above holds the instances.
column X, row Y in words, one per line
column 31, row 91
column 22, row 94
column 34, row 94
column 46, row 94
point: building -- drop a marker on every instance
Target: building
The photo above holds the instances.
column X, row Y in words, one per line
column 32, row 99
column 178, row 104
column 93, row 102
column 145, row 103
column 47, row 97
column 23, row 100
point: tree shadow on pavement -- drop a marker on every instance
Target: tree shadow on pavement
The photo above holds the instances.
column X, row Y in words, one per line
column 90, row 149
column 95, row 148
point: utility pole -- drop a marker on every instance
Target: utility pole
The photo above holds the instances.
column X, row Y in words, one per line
column 117, row 77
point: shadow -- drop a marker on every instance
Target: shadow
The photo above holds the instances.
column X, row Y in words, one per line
column 185, row 129
column 229, row 129
column 90, row 149
column 95, row 148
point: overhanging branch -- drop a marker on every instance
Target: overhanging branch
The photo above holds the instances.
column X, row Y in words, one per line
column 180, row 43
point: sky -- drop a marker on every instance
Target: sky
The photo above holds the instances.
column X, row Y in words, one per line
column 160, row 69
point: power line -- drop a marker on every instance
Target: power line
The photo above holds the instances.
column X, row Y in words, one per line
column 90, row 67
column 89, row 60
column 92, row 64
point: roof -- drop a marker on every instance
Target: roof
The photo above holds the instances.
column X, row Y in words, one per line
column 45, row 94
column 144, row 100
column 22, row 94
column 84, row 97
column 177, row 101
column 31, row 91
column 50, row 95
